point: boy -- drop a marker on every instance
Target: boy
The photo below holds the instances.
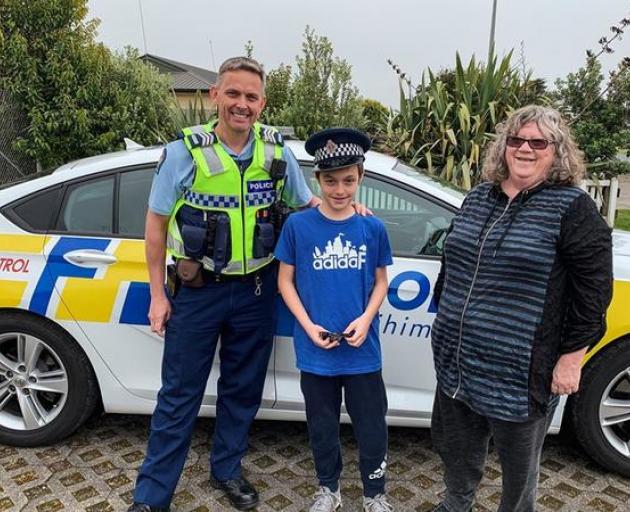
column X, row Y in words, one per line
column 333, row 278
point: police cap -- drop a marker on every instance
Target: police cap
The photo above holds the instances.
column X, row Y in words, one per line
column 336, row 148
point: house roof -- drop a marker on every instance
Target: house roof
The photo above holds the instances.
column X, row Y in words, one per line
column 185, row 78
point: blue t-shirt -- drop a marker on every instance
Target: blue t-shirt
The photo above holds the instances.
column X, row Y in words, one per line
column 175, row 175
column 335, row 266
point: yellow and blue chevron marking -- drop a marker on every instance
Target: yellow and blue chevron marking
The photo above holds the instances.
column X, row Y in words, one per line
column 118, row 293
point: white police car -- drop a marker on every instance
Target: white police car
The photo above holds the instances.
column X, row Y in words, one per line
column 74, row 296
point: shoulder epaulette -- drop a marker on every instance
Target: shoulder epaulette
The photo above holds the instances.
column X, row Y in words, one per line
column 198, row 128
column 271, row 135
column 199, row 140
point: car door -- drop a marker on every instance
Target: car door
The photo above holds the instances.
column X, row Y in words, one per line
column 100, row 277
column 416, row 224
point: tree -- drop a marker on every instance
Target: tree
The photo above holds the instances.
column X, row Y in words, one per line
column 322, row 94
column 79, row 99
column 600, row 123
column 249, row 49
column 277, row 91
column 597, row 110
column 376, row 115
column 597, row 131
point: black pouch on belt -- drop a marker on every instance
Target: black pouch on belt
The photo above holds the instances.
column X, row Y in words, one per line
column 221, row 254
column 195, row 241
column 189, row 273
column 264, row 239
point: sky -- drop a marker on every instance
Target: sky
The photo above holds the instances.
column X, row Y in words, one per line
column 550, row 36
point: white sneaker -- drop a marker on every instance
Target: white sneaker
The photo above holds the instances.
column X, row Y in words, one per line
column 378, row 503
column 324, row 500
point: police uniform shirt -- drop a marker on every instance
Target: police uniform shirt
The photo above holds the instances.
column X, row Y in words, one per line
column 175, row 174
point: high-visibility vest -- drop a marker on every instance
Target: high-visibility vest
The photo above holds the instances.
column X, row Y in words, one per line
column 220, row 186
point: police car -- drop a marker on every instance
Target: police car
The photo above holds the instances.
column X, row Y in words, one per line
column 74, row 296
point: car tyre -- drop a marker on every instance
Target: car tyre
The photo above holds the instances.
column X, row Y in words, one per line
column 605, row 379
column 54, row 354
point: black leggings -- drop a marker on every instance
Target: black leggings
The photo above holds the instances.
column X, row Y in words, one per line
column 461, row 438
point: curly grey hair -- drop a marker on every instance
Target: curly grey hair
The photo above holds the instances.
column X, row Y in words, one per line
column 568, row 163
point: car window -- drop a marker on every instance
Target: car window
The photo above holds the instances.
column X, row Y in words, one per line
column 35, row 211
column 133, row 198
column 88, row 207
column 416, row 225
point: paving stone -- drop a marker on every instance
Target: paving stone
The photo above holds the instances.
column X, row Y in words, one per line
column 72, row 479
column 102, row 506
column 550, row 503
column 95, row 471
column 6, row 503
column 90, row 455
column 617, row 493
column 104, row 467
column 50, row 506
column 59, row 466
column 38, row 491
column 564, row 489
column 26, row 477
column 85, row 493
column 601, row 505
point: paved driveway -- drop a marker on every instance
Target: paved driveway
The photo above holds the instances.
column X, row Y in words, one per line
column 94, row 470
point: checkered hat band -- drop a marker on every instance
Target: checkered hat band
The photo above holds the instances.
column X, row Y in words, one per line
column 209, row 201
column 261, row 198
column 345, row 149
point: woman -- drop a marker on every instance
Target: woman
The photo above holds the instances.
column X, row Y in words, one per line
column 523, row 291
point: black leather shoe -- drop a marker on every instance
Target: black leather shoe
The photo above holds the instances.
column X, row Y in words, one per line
column 142, row 507
column 239, row 491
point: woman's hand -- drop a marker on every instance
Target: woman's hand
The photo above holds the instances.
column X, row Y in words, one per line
column 567, row 373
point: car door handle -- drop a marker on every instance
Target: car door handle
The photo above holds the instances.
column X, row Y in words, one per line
column 90, row 256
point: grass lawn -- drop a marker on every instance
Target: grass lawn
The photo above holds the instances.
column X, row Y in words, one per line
column 623, row 220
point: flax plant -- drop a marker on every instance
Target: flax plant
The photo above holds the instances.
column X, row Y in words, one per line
column 444, row 125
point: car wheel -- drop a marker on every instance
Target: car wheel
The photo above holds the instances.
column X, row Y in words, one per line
column 600, row 411
column 47, row 386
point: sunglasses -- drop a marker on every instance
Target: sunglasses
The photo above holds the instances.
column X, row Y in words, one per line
column 335, row 336
column 516, row 142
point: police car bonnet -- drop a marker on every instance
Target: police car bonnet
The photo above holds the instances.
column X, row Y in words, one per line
column 336, row 148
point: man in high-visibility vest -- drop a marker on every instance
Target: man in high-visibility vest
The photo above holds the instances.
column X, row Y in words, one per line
column 216, row 206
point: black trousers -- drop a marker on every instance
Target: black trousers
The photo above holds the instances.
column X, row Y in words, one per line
column 461, row 438
column 366, row 403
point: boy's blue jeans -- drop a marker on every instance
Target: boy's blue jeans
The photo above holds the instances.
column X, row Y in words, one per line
column 366, row 403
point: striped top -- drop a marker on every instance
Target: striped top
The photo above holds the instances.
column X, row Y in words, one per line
column 495, row 336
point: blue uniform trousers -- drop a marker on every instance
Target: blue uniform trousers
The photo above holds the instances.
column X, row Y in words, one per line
column 199, row 316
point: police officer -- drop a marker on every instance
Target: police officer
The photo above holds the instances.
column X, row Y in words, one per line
column 214, row 208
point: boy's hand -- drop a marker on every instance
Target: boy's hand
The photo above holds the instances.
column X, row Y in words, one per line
column 359, row 327
column 314, row 332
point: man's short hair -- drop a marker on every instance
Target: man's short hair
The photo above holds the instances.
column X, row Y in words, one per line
column 242, row 64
